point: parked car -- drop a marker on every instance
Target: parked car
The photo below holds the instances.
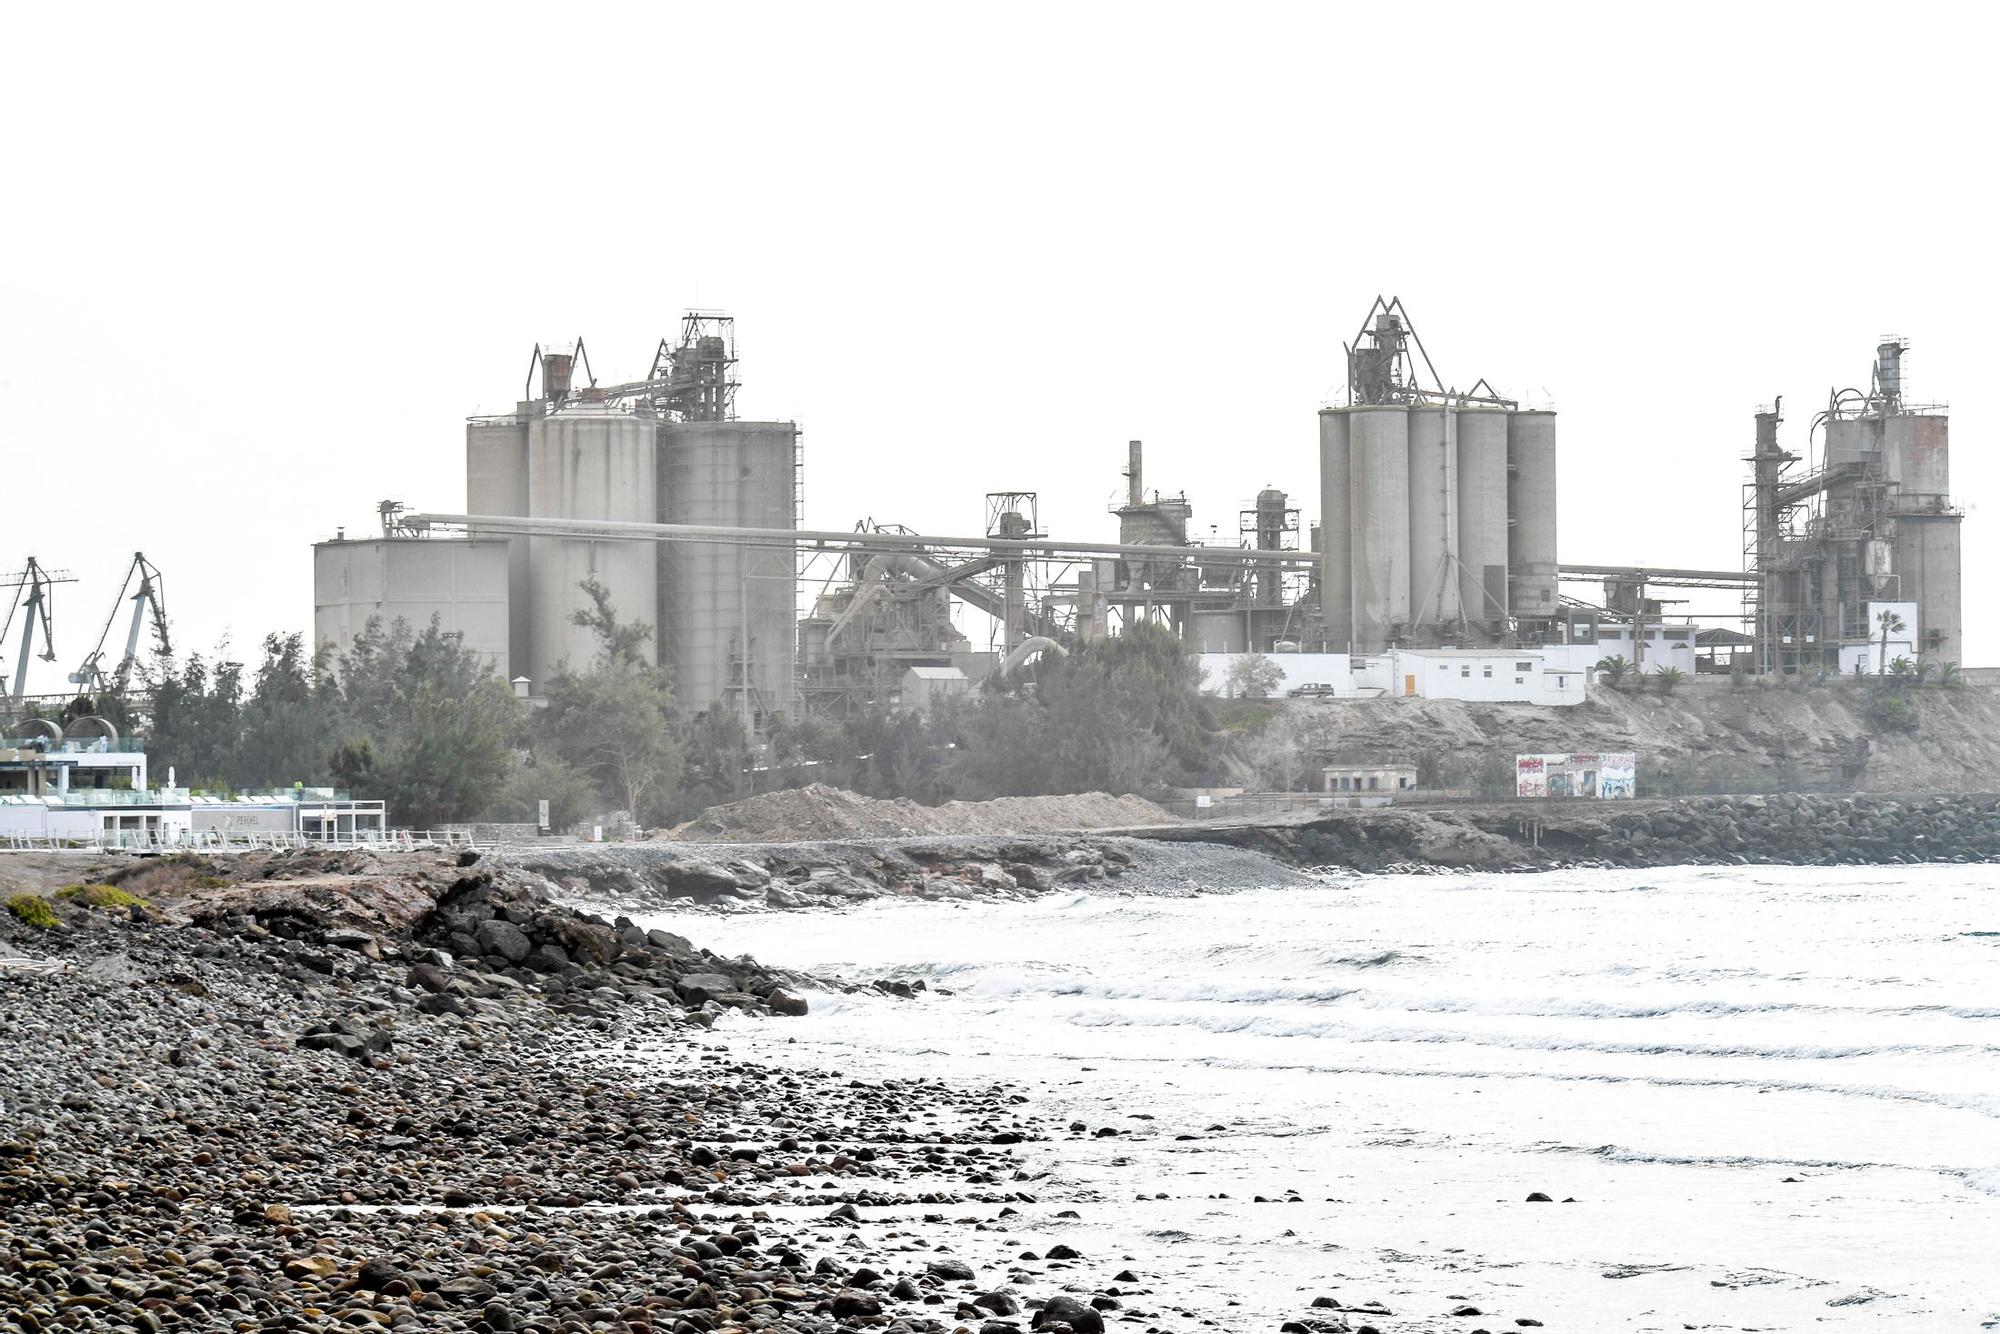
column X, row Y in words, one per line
column 1311, row 690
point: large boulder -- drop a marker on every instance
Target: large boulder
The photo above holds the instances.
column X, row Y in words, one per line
column 1079, row 1316
column 504, row 939
column 698, row 987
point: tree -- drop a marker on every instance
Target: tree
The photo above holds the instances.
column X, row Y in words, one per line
column 717, row 761
column 614, row 721
column 1254, row 676
column 195, row 716
column 1124, row 714
column 1668, row 678
column 1612, row 670
column 427, row 725
column 572, row 797
column 1948, row 677
column 1891, row 624
column 290, row 718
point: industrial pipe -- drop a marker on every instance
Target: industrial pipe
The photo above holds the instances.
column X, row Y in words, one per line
column 620, row 530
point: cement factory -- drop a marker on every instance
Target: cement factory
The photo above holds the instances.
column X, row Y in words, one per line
column 1433, row 569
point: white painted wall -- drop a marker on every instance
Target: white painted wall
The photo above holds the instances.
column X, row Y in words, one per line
column 1300, row 669
column 1500, row 676
column 1505, row 676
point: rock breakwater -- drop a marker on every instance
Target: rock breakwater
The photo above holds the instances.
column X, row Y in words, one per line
column 1806, row 830
column 798, row 875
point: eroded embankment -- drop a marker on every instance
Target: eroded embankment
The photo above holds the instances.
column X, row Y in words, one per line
column 1805, row 830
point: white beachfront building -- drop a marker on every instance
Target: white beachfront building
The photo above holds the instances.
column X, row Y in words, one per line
column 95, row 792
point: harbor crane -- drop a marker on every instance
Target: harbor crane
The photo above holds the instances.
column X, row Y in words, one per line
column 34, row 599
column 147, row 597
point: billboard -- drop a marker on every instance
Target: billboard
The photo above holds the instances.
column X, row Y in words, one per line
column 1601, row 776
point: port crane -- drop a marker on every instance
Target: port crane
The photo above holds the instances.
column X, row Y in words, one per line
column 147, row 597
column 34, row 599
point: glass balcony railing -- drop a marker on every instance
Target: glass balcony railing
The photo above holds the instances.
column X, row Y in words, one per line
column 76, row 746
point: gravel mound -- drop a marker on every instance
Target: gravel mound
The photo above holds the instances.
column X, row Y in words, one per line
column 821, row 812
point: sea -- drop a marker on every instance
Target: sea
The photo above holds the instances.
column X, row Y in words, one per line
column 1756, row 1098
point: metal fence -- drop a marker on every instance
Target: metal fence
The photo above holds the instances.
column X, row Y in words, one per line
column 217, row 841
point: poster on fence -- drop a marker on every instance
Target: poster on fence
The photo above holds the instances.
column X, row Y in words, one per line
column 1605, row 777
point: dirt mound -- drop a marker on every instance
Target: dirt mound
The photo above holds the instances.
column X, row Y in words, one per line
column 820, row 812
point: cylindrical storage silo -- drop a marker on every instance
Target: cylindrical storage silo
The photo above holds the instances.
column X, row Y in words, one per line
column 1927, row 563
column 729, row 608
column 1531, row 505
column 496, row 482
column 587, row 461
column 1378, row 451
column 1433, row 524
column 1916, row 455
column 1336, row 577
column 1482, row 519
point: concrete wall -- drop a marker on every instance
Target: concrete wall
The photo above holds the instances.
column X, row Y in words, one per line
column 463, row 583
column 1300, row 669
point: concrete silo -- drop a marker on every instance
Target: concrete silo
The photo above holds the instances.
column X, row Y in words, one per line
column 1531, row 505
column 587, row 460
column 1336, row 581
column 1434, row 523
column 1379, row 523
column 729, row 609
column 496, row 482
column 1482, row 520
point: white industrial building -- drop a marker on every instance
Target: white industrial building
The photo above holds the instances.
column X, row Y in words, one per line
column 1490, row 675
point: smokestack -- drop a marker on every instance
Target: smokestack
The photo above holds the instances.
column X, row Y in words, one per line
column 1135, row 475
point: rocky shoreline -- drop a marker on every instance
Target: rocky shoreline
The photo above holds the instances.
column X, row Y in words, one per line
column 280, row 1094
column 1794, row 829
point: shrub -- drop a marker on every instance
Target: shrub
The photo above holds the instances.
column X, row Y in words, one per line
column 1889, row 712
column 35, row 910
column 100, row 896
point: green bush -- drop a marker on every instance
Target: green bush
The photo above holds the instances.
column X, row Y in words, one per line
column 100, row 896
column 1890, row 712
column 35, row 910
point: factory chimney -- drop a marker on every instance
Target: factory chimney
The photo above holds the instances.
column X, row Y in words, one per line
column 1135, row 475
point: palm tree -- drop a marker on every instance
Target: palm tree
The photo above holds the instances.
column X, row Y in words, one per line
column 1891, row 623
column 1948, row 676
column 1612, row 669
column 1668, row 677
column 1902, row 668
column 1924, row 669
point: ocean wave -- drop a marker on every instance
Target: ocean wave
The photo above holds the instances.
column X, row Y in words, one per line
column 1618, row 1153
column 1986, row 1179
column 1978, row 1104
column 1256, row 1025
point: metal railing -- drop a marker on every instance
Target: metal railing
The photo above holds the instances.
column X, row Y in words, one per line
column 240, row 840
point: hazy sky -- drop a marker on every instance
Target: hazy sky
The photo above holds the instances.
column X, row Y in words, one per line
column 261, row 262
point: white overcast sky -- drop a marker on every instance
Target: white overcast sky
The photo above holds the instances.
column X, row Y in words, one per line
column 259, row 263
